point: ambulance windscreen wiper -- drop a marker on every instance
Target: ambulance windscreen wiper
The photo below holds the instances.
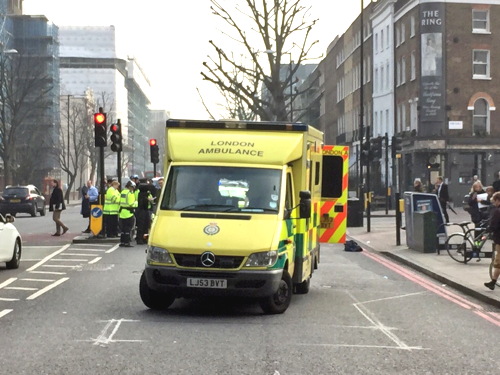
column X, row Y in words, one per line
column 209, row 207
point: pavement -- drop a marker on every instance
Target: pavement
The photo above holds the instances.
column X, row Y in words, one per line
column 467, row 278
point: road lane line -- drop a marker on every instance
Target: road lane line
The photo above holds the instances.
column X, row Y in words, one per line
column 5, row 312
column 9, row 299
column 113, row 248
column 68, row 260
column 20, row 288
column 49, row 272
column 449, row 295
column 79, row 255
column 7, row 282
column 48, row 257
column 95, row 260
column 42, row 280
column 47, row 288
column 96, row 250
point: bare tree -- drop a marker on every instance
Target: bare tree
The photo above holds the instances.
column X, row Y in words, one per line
column 25, row 136
column 260, row 85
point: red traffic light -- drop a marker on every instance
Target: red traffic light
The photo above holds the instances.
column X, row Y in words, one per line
column 114, row 128
column 99, row 118
column 152, row 142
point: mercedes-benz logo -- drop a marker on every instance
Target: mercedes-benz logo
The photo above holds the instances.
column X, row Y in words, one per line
column 208, row 259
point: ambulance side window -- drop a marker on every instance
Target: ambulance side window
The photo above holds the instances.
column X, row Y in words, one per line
column 332, row 176
column 289, row 192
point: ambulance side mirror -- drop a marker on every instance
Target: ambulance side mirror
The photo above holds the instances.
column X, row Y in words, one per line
column 305, row 204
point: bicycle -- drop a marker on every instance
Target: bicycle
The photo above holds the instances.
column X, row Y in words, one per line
column 462, row 247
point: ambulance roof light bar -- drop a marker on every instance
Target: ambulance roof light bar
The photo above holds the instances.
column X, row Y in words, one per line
column 237, row 124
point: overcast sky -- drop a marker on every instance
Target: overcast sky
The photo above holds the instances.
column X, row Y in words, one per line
column 169, row 39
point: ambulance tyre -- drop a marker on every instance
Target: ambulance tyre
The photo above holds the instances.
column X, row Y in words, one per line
column 280, row 300
column 153, row 299
column 303, row 287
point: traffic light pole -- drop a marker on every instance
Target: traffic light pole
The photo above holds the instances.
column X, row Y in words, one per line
column 102, row 187
column 154, row 169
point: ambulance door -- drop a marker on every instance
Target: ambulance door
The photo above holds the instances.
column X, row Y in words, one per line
column 334, row 189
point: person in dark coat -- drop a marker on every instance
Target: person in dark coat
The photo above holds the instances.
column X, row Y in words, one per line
column 144, row 209
column 494, row 227
column 441, row 190
column 90, row 197
column 56, row 206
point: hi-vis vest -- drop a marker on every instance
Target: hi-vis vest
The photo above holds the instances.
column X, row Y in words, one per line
column 127, row 204
column 111, row 202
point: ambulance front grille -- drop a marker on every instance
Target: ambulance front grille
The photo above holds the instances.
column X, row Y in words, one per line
column 191, row 260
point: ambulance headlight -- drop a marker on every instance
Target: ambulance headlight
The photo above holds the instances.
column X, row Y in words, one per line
column 158, row 255
column 264, row 259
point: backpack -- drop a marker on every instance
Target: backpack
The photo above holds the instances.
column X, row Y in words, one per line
column 351, row 245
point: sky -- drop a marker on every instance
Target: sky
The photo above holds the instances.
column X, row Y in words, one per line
column 169, row 40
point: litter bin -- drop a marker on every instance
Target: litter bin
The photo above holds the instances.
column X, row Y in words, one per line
column 354, row 212
column 425, row 231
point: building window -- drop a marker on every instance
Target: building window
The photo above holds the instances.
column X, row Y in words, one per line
column 481, row 63
column 375, row 88
column 480, row 21
column 388, row 77
column 403, row 32
column 480, row 118
column 412, row 26
column 403, row 70
column 413, row 67
column 381, row 40
column 382, row 79
column 388, row 37
column 376, row 43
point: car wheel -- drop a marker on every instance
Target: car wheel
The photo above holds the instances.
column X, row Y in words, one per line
column 16, row 256
column 34, row 210
column 280, row 300
column 153, row 299
column 42, row 211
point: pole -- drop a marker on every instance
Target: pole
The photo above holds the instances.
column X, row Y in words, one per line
column 387, row 194
column 69, row 96
column 291, row 89
column 119, row 156
column 154, row 170
column 102, row 188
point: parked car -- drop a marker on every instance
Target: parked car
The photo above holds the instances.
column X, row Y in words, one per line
column 10, row 242
column 22, row 199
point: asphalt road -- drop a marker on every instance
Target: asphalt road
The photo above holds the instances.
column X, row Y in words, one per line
column 77, row 310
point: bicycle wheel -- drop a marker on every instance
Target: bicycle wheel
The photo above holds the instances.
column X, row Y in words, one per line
column 491, row 267
column 459, row 247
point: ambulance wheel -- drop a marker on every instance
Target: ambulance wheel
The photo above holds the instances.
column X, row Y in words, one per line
column 303, row 287
column 280, row 300
column 153, row 299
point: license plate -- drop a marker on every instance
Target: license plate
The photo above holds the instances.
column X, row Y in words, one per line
column 206, row 283
column 15, row 200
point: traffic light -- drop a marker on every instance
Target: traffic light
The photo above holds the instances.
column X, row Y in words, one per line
column 396, row 146
column 155, row 153
column 365, row 153
column 376, row 145
column 100, row 129
column 116, row 137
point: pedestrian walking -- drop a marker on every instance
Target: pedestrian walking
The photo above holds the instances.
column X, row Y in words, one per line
column 128, row 204
column 111, row 209
column 56, row 206
column 441, row 190
column 90, row 197
column 494, row 227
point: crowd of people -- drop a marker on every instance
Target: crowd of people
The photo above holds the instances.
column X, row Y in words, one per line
column 125, row 211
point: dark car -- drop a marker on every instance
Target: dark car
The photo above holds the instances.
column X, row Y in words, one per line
column 22, row 199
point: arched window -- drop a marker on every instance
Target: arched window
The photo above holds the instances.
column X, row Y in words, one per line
column 481, row 118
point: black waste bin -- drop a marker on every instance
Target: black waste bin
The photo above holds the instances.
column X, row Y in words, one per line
column 354, row 212
column 425, row 231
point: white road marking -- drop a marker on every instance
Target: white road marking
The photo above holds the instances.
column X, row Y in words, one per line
column 9, row 299
column 95, row 260
column 113, row 248
column 42, row 280
column 5, row 312
column 367, row 346
column 49, row 272
column 80, row 255
column 58, row 266
column 105, row 338
column 47, row 288
column 20, row 288
column 48, row 257
column 69, row 260
column 95, row 250
column 7, row 282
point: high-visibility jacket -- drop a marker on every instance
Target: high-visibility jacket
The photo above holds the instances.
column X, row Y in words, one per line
column 111, row 202
column 127, row 204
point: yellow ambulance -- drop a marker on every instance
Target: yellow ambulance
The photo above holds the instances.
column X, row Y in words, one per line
column 239, row 214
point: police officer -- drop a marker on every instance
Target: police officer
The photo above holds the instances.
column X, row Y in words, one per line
column 111, row 209
column 128, row 205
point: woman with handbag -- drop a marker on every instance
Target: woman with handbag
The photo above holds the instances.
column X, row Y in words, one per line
column 56, row 205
